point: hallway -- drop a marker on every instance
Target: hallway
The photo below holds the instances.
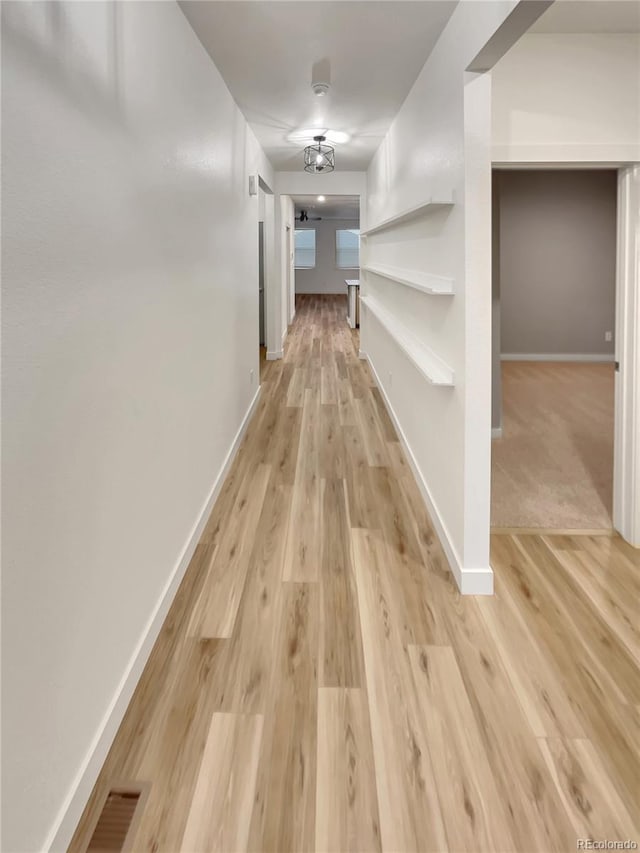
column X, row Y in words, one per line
column 321, row 685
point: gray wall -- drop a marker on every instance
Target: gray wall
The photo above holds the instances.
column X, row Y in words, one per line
column 557, row 257
column 326, row 278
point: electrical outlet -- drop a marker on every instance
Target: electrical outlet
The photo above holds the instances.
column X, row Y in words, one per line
column 608, row 336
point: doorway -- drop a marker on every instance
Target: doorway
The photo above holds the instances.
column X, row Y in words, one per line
column 326, row 247
column 554, row 320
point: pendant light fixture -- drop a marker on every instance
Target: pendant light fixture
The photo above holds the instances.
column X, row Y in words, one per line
column 319, row 157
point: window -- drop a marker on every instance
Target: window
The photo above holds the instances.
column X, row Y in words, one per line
column 305, row 254
column 348, row 248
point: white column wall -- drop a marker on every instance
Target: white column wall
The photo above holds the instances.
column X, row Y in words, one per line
column 626, row 497
column 438, row 145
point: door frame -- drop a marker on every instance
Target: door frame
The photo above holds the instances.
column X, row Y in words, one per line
column 270, row 295
column 626, row 464
column 262, row 303
column 291, row 290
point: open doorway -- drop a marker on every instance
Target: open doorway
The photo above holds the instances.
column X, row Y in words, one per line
column 327, row 251
column 554, row 310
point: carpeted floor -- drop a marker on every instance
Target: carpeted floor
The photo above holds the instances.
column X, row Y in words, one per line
column 553, row 467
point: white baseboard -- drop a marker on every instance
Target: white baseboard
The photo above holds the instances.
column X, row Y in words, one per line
column 73, row 806
column 471, row 581
column 557, row 356
column 496, row 432
column 274, row 355
column 362, row 354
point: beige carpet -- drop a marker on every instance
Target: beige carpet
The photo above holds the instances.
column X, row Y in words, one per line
column 553, row 467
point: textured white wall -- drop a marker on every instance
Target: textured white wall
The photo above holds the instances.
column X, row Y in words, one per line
column 334, row 183
column 286, row 256
column 568, row 97
column 130, row 327
column 325, row 277
column 439, row 143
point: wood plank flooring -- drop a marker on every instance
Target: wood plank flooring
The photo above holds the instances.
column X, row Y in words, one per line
column 320, row 685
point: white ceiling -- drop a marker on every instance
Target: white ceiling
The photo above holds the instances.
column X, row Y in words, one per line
column 334, row 207
column 265, row 51
column 590, row 16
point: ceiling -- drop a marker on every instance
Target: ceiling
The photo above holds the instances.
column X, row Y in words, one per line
column 334, row 207
column 590, row 16
column 266, row 49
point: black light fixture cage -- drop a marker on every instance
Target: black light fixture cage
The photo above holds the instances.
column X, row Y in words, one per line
column 319, row 157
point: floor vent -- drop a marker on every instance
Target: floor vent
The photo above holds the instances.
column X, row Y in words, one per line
column 118, row 818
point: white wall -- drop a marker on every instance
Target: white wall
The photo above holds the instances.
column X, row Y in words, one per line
column 334, row 183
column 130, row 323
column 287, row 220
column 568, row 97
column 271, row 274
column 440, row 142
column 496, row 344
column 325, row 277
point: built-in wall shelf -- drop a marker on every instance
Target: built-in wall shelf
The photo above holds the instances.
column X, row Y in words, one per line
column 428, row 363
column 423, row 209
column 436, row 285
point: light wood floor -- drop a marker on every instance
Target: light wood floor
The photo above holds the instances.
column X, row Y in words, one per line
column 553, row 467
column 321, row 685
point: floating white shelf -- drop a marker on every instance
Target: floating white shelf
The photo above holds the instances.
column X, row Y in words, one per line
column 412, row 213
column 428, row 363
column 437, row 285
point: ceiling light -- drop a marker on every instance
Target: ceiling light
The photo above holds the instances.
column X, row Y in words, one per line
column 319, row 157
column 320, row 89
column 321, row 198
column 305, row 135
column 336, row 137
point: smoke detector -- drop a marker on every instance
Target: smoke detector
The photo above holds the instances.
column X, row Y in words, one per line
column 320, row 89
column 321, row 77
